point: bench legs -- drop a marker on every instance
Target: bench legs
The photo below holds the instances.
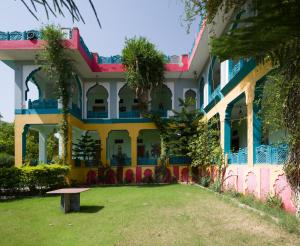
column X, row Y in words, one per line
column 70, row 202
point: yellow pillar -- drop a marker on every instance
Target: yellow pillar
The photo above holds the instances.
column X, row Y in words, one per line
column 133, row 136
column 103, row 138
column 19, row 129
column 222, row 128
column 249, row 103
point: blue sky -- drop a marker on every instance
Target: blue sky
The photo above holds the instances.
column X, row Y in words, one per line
column 158, row 20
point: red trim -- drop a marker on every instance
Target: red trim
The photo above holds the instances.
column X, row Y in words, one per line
column 197, row 42
column 74, row 44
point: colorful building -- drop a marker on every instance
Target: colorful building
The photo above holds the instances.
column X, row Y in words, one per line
column 103, row 105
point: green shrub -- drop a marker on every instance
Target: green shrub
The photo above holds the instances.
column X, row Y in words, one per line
column 10, row 179
column 39, row 178
column 274, row 201
column 217, row 185
column 6, row 160
column 205, row 181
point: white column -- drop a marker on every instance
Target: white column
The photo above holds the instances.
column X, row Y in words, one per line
column 42, row 147
column 60, row 144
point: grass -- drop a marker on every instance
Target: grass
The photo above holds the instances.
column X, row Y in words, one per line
column 143, row 215
column 285, row 220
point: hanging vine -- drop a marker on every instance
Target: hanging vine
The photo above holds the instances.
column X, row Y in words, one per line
column 58, row 65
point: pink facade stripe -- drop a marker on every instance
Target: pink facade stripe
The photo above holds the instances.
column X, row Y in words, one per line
column 74, row 43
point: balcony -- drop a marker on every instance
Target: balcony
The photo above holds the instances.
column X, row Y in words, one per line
column 215, row 95
column 129, row 114
column 43, row 104
column 97, row 115
column 240, row 157
column 271, row 154
column 235, row 67
column 146, row 161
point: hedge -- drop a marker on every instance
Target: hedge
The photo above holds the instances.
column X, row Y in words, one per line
column 6, row 160
column 39, row 178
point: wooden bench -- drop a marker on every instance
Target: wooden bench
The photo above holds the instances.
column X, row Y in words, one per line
column 70, row 198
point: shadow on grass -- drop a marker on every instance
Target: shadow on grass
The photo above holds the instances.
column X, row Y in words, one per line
column 90, row 209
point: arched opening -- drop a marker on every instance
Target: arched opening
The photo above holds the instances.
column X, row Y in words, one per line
column 97, row 102
column 148, row 147
column 201, row 94
column 214, row 79
column 161, row 100
column 128, row 103
column 37, row 80
column 270, row 146
column 191, row 97
column 119, row 148
column 40, row 144
column 235, row 143
column 76, row 97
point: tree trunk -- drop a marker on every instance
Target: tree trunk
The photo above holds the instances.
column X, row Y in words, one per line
column 142, row 95
column 298, row 202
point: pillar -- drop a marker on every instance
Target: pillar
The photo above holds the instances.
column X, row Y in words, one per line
column 103, row 139
column 60, row 144
column 250, row 120
column 227, row 129
column 69, row 145
column 134, row 136
column 20, row 143
column 43, row 146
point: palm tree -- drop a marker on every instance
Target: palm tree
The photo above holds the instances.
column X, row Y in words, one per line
column 57, row 7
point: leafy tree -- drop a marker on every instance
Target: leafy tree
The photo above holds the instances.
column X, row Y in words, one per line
column 205, row 149
column 56, row 62
column 52, row 147
column 204, row 146
column 7, row 139
column 177, row 131
column 32, row 147
column 58, row 8
column 144, row 68
column 269, row 33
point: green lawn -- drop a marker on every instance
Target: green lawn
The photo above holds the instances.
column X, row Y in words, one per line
column 157, row 215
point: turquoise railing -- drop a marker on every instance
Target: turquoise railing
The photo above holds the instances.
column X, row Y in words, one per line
column 20, row 35
column 116, row 162
column 179, row 160
column 129, row 114
column 240, row 157
column 117, row 59
column 215, row 94
column 91, row 114
column 27, row 35
column 42, row 104
column 86, row 49
column 146, row 161
column 234, row 68
column 271, row 154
